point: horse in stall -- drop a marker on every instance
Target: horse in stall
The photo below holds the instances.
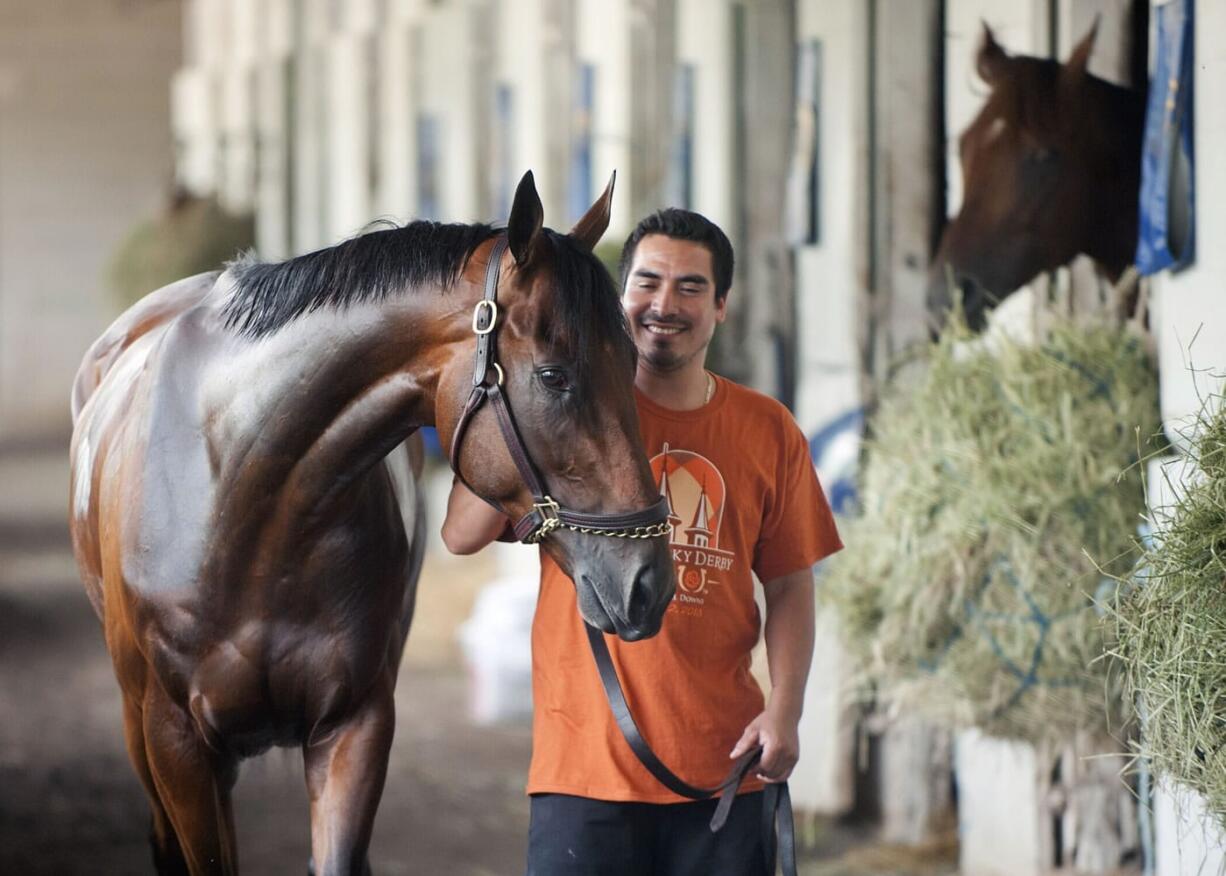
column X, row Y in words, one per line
column 239, row 532
column 1051, row 168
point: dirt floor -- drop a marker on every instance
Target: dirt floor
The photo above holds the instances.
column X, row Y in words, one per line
column 69, row 802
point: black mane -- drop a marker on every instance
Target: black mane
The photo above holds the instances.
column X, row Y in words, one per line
column 269, row 296
column 372, row 266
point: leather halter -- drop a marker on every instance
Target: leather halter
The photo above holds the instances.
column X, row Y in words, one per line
column 546, row 514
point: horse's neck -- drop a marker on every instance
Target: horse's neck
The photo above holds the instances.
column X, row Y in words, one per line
column 317, row 404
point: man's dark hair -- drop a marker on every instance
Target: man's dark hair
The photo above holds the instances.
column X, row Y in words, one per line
column 684, row 225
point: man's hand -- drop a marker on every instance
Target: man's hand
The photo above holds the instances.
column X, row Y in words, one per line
column 780, row 740
column 789, row 651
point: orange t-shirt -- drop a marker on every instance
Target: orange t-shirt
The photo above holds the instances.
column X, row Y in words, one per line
column 745, row 500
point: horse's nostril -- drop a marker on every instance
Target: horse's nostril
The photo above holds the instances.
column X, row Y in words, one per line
column 647, row 596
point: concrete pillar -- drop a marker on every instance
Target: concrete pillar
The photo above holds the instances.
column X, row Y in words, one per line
column 348, row 110
column 762, row 136
column 309, row 225
column 830, row 276
column 652, row 52
column 558, row 54
column 193, row 121
column 395, row 194
column 274, row 75
column 704, row 47
column 447, row 101
column 603, row 43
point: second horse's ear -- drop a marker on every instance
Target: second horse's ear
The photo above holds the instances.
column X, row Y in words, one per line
column 992, row 60
column 1077, row 66
column 595, row 221
column 527, row 218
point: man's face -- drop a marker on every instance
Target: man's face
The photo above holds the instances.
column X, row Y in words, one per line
column 670, row 301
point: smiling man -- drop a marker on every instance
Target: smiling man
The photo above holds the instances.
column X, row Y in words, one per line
column 744, row 501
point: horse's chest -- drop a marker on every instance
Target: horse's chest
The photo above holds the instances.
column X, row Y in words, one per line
column 290, row 687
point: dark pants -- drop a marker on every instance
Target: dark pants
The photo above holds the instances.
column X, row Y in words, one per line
column 575, row 836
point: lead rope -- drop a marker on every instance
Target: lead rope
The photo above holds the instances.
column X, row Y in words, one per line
column 778, row 834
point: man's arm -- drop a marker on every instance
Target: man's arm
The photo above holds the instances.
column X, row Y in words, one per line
column 790, row 622
column 470, row 524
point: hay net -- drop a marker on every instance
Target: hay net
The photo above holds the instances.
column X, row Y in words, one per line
column 996, row 484
column 1171, row 623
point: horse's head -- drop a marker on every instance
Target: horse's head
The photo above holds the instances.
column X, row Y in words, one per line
column 1050, row 169
column 568, row 364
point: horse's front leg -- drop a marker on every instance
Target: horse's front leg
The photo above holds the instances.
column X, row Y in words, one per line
column 193, row 783
column 345, row 774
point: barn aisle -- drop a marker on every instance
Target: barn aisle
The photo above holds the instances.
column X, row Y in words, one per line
column 69, row 802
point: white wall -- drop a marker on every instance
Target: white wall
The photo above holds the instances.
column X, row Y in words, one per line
column 830, row 279
column 347, row 110
column 1192, row 303
column 448, row 92
column 523, row 34
column 602, row 39
column 1110, row 59
column 395, row 195
column 830, row 276
column 998, row 832
column 85, row 153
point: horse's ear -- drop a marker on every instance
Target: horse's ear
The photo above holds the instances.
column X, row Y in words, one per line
column 990, row 64
column 527, row 217
column 595, row 221
column 1078, row 62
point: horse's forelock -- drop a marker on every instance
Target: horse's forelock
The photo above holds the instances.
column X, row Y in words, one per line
column 1028, row 100
column 586, row 315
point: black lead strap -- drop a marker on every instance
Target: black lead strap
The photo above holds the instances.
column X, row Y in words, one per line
column 776, row 801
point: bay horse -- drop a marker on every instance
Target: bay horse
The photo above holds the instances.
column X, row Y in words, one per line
column 241, row 535
column 1051, row 168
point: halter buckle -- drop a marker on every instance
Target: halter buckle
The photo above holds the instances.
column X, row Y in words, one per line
column 491, row 307
column 548, row 509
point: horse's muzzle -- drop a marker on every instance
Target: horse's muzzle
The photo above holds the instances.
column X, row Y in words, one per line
column 634, row 611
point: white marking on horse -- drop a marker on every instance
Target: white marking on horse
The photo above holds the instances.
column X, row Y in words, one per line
column 84, row 478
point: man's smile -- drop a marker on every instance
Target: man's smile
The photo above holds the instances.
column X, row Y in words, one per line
column 663, row 328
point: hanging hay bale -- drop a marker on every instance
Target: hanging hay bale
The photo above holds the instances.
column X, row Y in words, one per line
column 1171, row 626
column 192, row 236
column 996, row 485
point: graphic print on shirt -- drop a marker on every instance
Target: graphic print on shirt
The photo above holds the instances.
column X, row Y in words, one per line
column 694, row 489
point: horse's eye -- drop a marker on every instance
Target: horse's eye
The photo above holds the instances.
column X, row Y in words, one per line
column 554, row 379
